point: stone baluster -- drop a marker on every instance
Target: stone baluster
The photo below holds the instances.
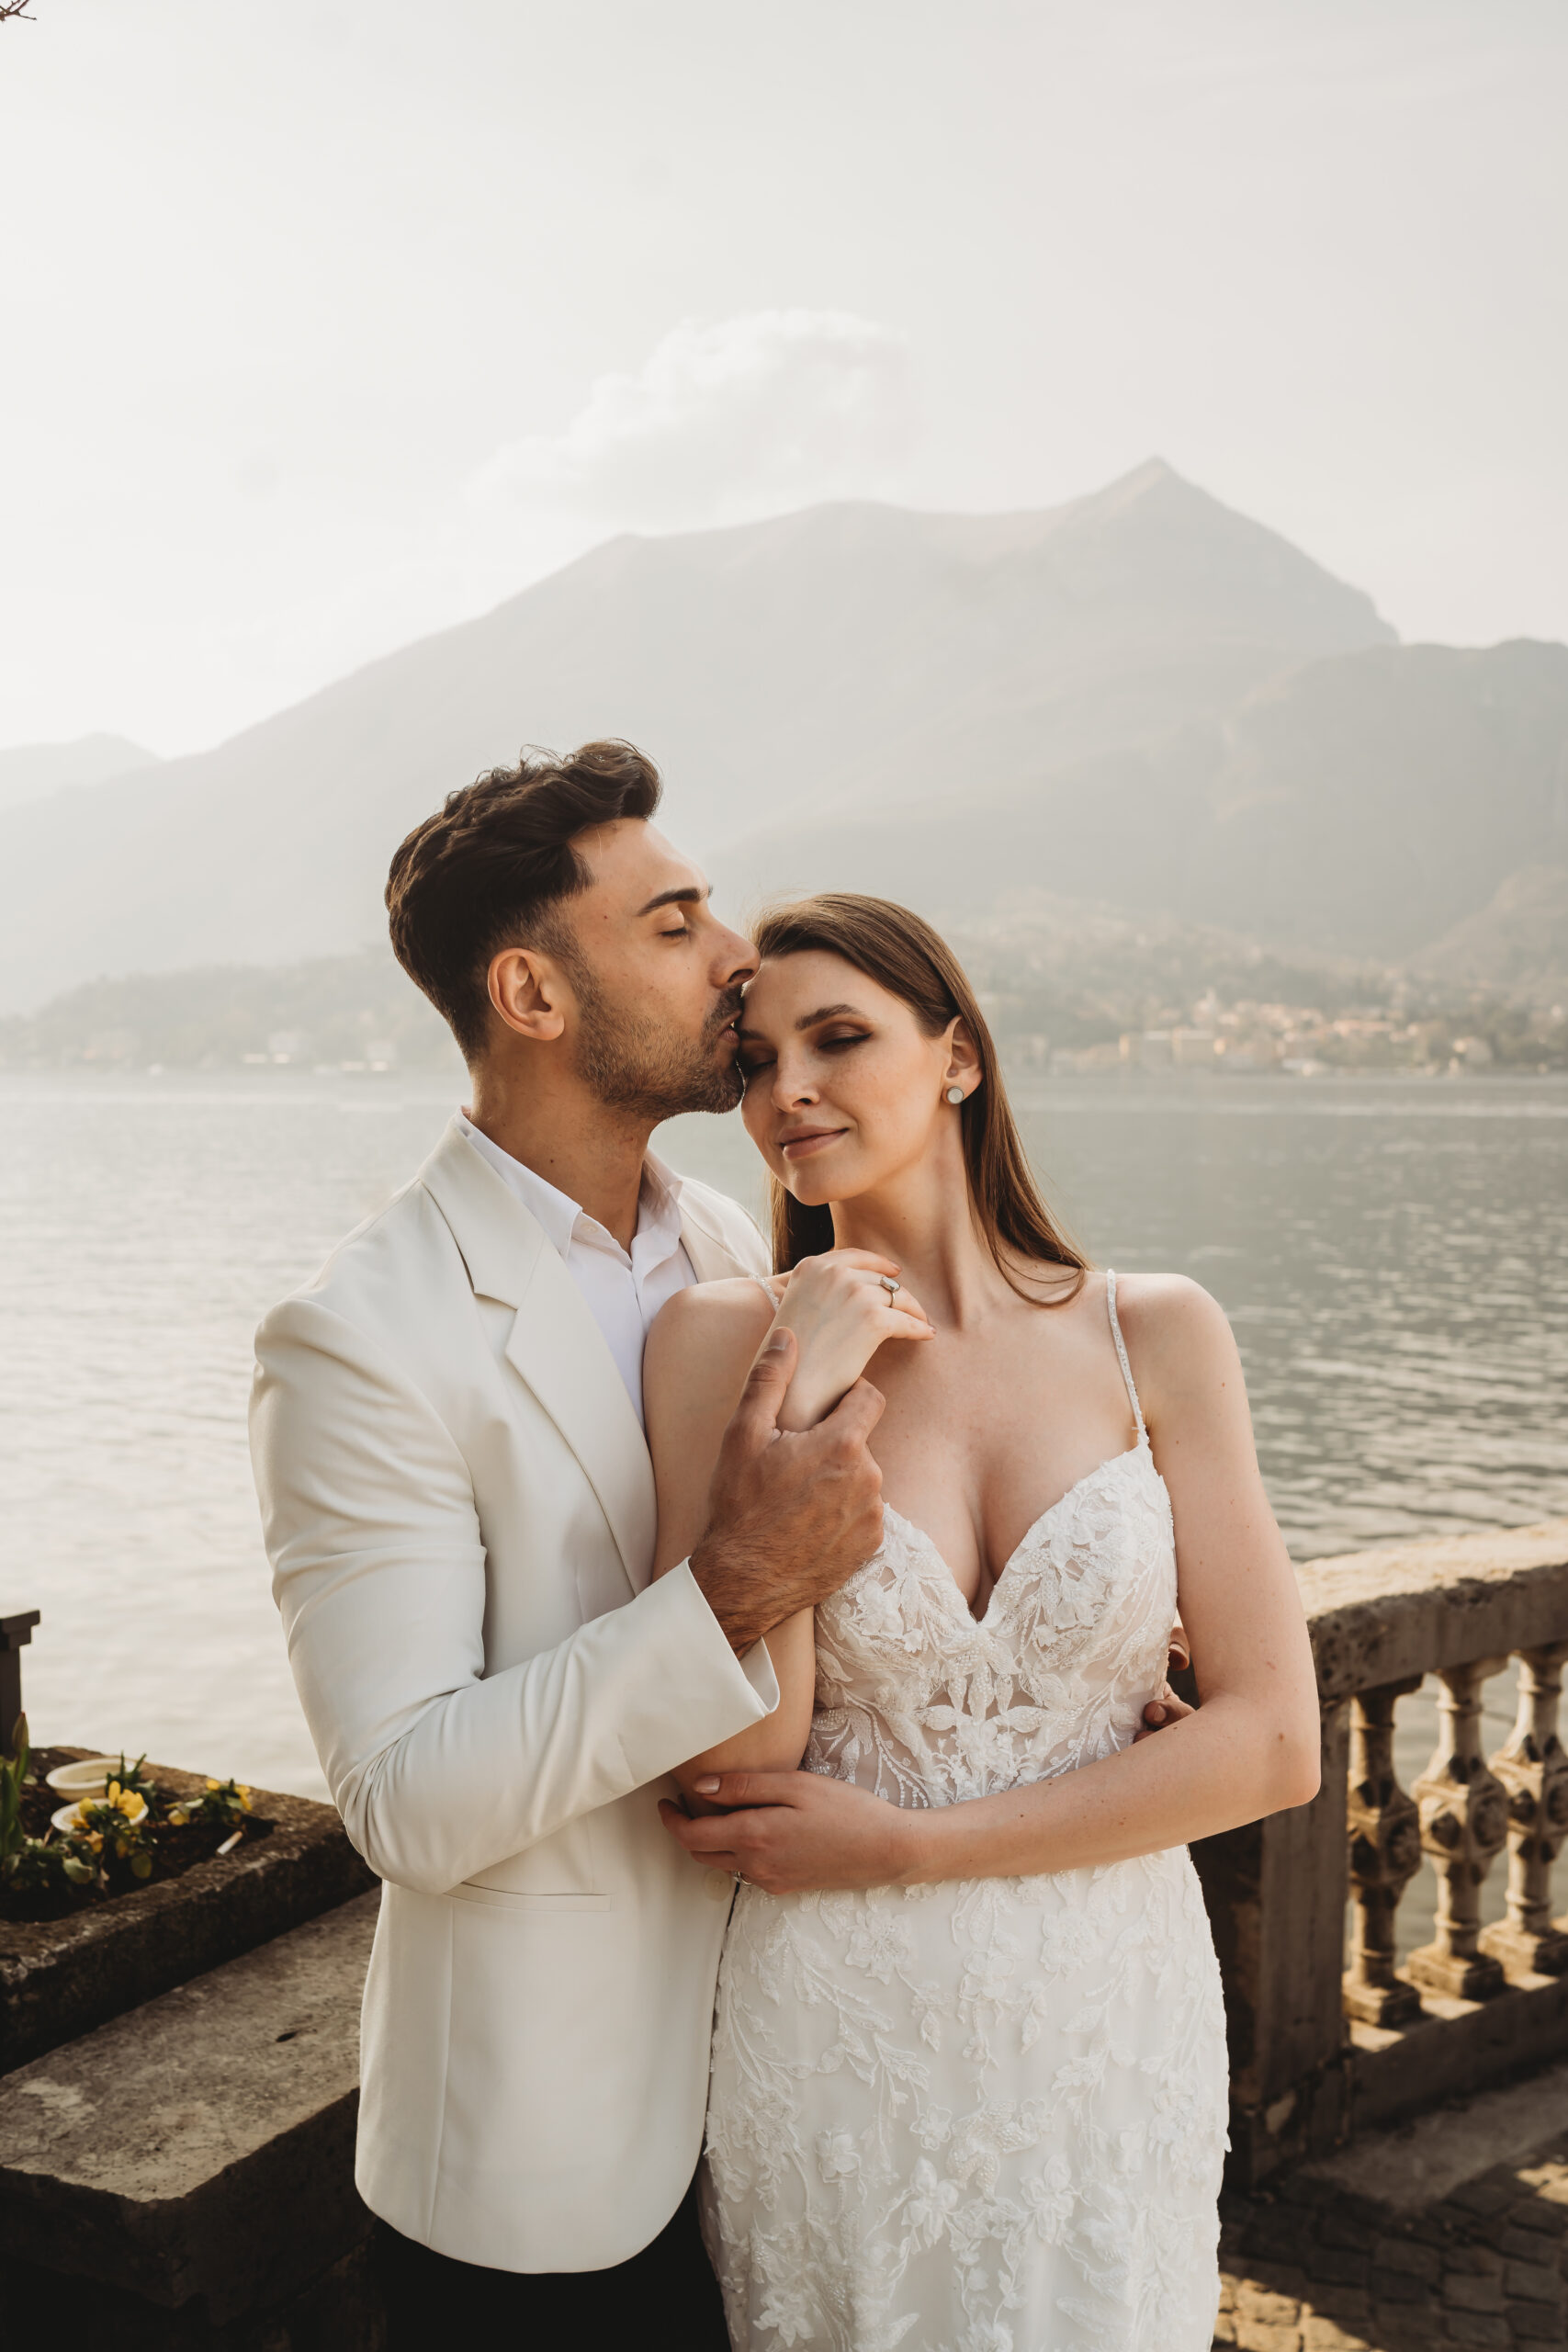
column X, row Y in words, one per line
column 1464, row 1820
column 1533, row 1769
column 1385, row 1854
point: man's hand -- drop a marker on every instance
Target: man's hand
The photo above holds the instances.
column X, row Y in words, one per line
column 1161, row 1712
column 791, row 1516
column 1164, row 1708
column 797, row 1830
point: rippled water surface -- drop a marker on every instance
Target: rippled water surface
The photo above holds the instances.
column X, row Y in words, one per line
column 1394, row 1256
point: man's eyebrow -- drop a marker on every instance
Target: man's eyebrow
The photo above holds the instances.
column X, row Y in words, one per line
column 688, row 895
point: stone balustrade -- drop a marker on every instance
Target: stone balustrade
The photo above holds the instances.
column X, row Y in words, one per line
column 1329, row 2031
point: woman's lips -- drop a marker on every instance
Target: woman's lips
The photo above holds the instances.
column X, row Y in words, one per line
column 804, row 1142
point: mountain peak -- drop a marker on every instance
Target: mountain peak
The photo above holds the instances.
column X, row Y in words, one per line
column 849, row 654
column 27, row 771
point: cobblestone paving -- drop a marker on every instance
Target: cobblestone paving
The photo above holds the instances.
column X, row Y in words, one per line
column 1315, row 2269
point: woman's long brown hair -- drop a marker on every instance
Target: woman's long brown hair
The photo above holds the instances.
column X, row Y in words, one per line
column 913, row 962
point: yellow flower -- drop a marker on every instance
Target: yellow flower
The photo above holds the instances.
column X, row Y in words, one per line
column 212, row 1784
column 244, row 1795
column 178, row 1817
column 111, row 1795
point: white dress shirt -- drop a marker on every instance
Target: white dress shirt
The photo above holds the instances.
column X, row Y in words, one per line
column 624, row 1291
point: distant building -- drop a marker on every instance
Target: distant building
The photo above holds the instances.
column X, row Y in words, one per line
column 111, row 1046
column 1193, row 1048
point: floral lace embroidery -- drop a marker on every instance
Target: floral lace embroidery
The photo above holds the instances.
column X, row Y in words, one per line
column 986, row 2116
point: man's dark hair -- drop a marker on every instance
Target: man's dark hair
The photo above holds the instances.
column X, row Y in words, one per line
column 487, row 871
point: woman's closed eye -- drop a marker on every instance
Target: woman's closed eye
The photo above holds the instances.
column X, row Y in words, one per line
column 755, row 1058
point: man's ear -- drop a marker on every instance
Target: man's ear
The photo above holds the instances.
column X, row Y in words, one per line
column 529, row 991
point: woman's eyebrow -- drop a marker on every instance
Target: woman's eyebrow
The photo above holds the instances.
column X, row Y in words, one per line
column 828, row 1012
column 810, row 1020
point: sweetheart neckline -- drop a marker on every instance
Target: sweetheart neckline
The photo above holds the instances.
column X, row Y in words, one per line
column 1112, row 1462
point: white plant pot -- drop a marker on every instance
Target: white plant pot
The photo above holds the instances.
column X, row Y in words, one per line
column 88, row 1777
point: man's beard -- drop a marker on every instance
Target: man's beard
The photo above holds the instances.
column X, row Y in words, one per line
column 633, row 1063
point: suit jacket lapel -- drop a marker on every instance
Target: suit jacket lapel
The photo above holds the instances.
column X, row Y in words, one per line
column 557, row 1347
column 712, row 1261
column 554, row 1345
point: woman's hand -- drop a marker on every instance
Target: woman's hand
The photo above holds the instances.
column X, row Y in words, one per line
column 840, row 1311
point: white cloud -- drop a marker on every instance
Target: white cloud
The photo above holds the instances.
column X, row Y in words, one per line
column 724, row 419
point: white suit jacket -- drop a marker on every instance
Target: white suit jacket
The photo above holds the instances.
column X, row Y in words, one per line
column 460, row 1511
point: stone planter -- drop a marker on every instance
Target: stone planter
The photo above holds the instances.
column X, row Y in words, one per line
column 60, row 1978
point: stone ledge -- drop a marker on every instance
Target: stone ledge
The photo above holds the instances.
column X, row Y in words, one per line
column 1457, row 2052
column 1427, row 2160
column 62, row 1978
column 1413, row 1607
column 199, row 2149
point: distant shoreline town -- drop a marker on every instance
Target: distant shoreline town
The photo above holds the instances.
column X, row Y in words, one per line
column 1062, row 995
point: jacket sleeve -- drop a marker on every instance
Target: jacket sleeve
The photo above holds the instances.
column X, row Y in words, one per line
column 379, row 1571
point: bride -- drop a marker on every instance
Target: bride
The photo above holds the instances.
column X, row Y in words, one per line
column 980, row 2105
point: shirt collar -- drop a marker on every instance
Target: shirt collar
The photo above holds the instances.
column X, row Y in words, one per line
column 658, row 1233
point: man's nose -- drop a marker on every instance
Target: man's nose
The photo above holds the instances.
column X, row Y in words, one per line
column 736, row 959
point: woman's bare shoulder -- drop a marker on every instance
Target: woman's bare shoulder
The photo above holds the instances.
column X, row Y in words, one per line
column 707, row 1315
column 699, row 1352
column 1163, row 1300
column 1173, row 1327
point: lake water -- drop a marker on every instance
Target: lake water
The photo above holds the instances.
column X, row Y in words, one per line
column 1394, row 1255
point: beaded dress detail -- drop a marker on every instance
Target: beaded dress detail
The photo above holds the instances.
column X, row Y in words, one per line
column 988, row 2115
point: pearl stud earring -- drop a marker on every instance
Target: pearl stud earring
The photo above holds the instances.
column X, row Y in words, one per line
column 955, row 1095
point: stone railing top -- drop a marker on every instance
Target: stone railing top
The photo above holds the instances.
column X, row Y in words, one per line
column 1409, row 1607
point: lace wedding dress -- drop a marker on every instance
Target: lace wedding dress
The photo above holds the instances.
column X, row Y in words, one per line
column 988, row 2115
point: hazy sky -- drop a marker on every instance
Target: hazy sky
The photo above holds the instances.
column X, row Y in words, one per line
column 329, row 322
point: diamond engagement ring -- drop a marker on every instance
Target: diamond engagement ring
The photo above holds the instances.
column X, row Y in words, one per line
column 889, row 1285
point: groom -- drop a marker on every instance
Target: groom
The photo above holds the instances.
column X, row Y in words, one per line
column 458, row 1509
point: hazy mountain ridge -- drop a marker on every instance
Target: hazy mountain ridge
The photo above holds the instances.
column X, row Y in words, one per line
column 348, row 1011
column 1361, row 806
column 1517, row 943
column 848, row 654
column 1139, row 701
column 30, row 770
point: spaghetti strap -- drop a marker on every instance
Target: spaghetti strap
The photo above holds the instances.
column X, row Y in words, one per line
column 1121, row 1354
column 765, row 1285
